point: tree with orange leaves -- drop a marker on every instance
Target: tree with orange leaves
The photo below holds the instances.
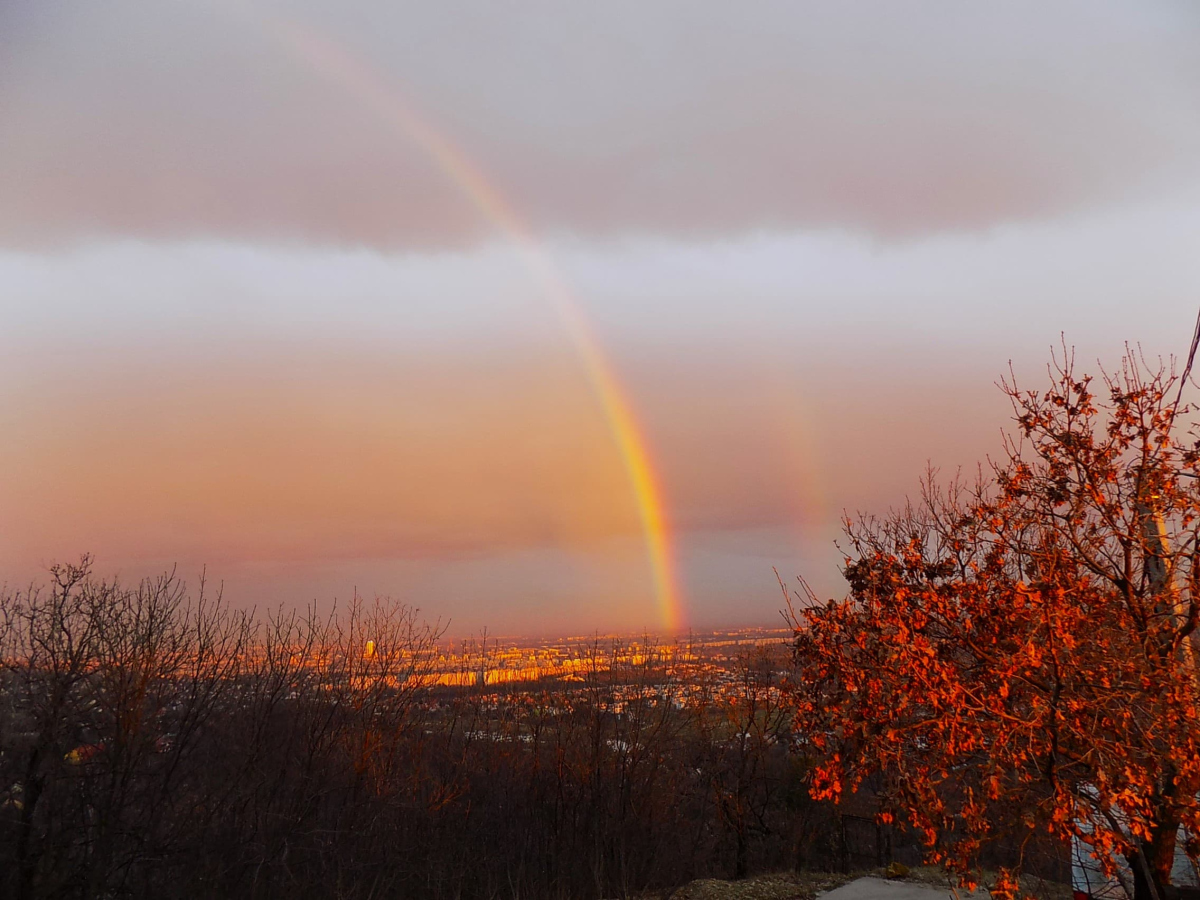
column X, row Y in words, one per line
column 1016, row 654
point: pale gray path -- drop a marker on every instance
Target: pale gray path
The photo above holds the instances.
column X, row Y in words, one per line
column 880, row 889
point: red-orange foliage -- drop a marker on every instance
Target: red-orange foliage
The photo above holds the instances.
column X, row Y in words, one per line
column 1017, row 655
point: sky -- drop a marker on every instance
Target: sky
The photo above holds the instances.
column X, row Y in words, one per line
column 400, row 298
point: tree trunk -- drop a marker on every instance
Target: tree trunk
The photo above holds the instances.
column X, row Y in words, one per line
column 741, row 867
column 26, row 859
column 1153, row 862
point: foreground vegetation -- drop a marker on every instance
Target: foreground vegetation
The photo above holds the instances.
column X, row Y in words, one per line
column 1017, row 655
column 154, row 743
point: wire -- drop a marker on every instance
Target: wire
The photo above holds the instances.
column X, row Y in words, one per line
column 1187, row 369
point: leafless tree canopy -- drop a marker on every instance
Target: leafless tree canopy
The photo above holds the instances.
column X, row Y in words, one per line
column 155, row 742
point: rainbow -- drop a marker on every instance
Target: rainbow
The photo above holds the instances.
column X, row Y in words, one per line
column 391, row 108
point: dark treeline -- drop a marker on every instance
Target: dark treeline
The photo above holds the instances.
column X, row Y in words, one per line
column 156, row 743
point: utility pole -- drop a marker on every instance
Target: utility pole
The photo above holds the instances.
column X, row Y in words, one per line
column 1161, row 572
column 1157, row 546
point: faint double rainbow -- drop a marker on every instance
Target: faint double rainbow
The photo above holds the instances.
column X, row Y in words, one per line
column 393, row 109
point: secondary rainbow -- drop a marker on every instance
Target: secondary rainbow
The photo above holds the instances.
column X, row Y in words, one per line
column 392, row 108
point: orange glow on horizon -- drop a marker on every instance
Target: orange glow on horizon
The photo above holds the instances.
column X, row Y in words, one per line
column 248, row 467
column 390, row 107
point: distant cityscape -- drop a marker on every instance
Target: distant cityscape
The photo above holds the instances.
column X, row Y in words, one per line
column 714, row 656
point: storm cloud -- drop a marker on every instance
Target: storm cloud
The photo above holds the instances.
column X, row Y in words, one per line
column 199, row 119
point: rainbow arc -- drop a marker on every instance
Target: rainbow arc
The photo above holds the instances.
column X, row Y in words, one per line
column 390, row 107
